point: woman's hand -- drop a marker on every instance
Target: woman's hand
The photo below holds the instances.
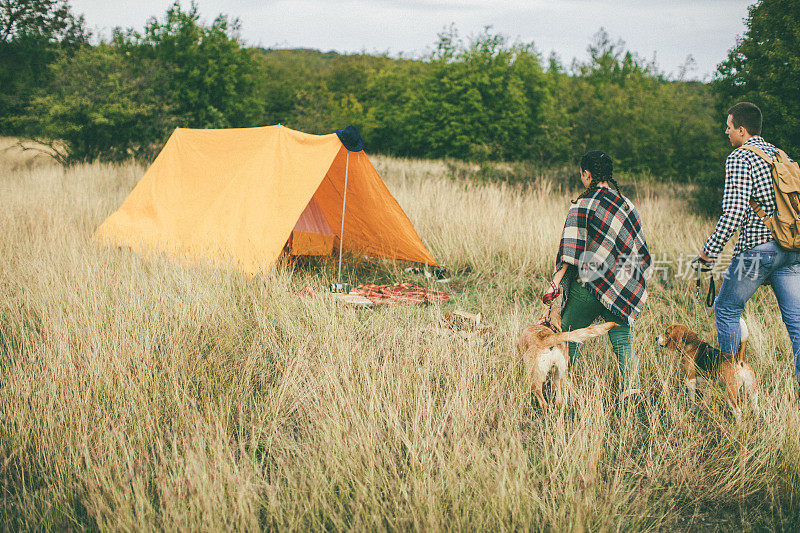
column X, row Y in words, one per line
column 554, row 291
column 551, row 293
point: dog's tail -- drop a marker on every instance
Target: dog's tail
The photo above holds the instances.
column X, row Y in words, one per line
column 580, row 335
column 745, row 333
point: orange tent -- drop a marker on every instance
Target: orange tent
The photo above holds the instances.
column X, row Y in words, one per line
column 240, row 194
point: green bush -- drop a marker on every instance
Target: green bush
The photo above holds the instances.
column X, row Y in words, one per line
column 98, row 108
column 706, row 198
column 33, row 35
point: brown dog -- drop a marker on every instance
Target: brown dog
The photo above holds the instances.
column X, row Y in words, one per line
column 543, row 346
column 702, row 362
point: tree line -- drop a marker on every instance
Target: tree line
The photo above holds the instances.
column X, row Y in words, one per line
column 481, row 98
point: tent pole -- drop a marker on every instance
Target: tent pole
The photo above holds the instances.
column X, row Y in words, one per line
column 344, row 202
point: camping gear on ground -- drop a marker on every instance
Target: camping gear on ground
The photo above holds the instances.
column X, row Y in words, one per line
column 784, row 223
column 400, row 294
column 240, row 195
column 439, row 274
column 340, row 287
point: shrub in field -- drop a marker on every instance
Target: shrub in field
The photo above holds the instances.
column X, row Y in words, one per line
column 33, row 34
column 204, row 74
column 124, row 97
column 478, row 100
column 623, row 105
column 706, row 196
column 99, row 107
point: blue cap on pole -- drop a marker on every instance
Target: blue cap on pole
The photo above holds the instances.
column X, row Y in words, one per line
column 351, row 138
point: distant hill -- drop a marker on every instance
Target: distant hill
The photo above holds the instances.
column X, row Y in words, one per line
column 309, row 60
column 305, row 58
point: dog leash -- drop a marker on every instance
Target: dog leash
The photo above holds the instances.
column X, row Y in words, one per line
column 701, row 267
column 548, row 299
column 553, row 293
column 545, row 321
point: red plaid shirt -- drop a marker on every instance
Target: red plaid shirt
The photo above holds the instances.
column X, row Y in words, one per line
column 603, row 238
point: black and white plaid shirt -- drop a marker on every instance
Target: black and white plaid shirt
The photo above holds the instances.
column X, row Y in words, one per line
column 746, row 175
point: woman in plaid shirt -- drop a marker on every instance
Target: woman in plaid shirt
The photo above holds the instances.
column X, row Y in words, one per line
column 603, row 261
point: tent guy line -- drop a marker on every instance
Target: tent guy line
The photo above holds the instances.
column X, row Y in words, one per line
column 341, row 232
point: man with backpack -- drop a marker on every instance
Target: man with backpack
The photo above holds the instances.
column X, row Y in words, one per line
column 762, row 190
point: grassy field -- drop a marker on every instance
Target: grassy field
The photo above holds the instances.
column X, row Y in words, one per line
column 139, row 394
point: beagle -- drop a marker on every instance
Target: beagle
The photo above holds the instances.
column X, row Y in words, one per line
column 702, row 362
column 543, row 346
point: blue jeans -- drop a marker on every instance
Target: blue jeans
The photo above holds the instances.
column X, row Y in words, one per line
column 769, row 263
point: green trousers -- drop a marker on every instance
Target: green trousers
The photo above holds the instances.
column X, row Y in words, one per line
column 582, row 309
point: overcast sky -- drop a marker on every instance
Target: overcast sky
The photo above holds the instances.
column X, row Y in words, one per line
column 670, row 29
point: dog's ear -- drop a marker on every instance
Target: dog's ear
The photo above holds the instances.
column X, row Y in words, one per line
column 676, row 335
column 680, row 334
column 669, row 337
column 684, row 339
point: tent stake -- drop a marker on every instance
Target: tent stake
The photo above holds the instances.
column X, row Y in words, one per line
column 344, row 202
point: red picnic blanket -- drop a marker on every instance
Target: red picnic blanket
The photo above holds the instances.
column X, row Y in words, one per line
column 400, row 294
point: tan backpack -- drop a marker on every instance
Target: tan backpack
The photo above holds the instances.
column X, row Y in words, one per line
column 784, row 223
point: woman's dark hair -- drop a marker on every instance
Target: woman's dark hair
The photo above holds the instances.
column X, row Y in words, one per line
column 602, row 169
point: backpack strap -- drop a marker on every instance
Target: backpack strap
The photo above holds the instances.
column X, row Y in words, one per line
column 755, row 206
column 759, row 152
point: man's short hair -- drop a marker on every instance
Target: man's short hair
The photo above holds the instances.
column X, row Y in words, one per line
column 747, row 115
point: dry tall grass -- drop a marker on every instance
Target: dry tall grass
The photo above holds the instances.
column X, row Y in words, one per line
column 137, row 394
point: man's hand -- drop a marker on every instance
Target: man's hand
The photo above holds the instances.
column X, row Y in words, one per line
column 702, row 262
